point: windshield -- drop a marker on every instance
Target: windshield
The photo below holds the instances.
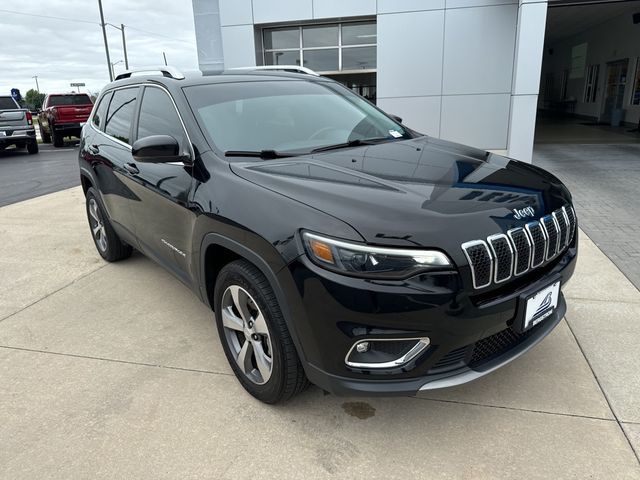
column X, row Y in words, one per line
column 61, row 100
column 294, row 116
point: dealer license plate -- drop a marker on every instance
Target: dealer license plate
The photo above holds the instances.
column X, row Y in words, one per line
column 541, row 305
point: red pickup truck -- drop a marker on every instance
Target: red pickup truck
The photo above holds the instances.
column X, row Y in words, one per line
column 63, row 115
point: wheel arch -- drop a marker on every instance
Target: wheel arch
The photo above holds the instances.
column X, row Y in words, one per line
column 230, row 250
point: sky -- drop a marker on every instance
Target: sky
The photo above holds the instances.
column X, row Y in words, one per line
column 70, row 48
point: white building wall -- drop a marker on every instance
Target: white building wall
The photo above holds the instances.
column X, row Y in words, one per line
column 454, row 69
column 613, row 40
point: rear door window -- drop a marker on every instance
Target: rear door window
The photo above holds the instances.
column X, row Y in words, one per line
column 120, row 114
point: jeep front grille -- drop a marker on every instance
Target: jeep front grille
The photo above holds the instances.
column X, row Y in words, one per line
column 521, row 249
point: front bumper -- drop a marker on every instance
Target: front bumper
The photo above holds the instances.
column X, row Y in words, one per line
column 470, row 336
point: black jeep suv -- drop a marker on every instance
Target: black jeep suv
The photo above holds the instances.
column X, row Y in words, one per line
column 334, row 244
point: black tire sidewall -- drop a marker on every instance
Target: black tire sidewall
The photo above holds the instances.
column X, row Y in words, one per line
column 237, row 273
column 116, row 250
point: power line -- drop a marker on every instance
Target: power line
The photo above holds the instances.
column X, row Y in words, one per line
column 156, row 34
column 48, row 16
column 66, row 19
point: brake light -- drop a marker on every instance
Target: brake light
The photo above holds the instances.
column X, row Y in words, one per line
column 29, row 118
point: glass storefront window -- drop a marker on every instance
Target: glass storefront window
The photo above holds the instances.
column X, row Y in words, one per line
column 359, row 34
column 286, row 57
column 279, row 38
column 321, row 36
column 325, row 48
column 359, row 58
column 324, row 60
column 635, row 98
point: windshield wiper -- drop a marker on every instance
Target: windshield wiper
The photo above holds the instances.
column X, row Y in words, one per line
column 264, row 154
column 352, row 143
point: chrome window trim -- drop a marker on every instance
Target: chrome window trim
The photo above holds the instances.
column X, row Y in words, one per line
column 422, row 343
column 527, row 229
column 490, row 240
column 473, row 243
column 510, row 234
column 138, row 85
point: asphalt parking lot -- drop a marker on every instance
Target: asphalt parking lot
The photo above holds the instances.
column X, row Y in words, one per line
column 24, row 176
column 116, row 371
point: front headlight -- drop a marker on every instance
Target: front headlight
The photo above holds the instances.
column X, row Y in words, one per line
column 367, row 261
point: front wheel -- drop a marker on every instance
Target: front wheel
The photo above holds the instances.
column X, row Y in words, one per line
column 109, row 245
column 254, row 334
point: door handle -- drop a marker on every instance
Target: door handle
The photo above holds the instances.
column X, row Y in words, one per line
column 131, row 168
column 93, row 149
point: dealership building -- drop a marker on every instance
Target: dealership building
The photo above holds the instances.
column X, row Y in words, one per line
column 478, row 72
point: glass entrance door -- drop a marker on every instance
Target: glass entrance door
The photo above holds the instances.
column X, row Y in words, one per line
column 614, row 90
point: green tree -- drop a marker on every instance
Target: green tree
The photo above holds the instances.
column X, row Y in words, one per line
column 34, row 100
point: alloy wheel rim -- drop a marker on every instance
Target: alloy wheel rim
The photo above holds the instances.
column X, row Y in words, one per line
column 97, row 226
column 247, row 334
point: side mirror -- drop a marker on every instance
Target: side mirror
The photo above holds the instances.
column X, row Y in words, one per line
column 395, row 117
column 156, row 149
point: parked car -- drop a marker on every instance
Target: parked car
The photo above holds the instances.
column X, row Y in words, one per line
column 334, row 244
column 16, row 126
column 63, row 115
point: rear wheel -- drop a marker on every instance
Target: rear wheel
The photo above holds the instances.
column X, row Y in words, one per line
column 109, row 245
column 32, row 147
column 58, row 139
column 46, row 138
column 254, row 334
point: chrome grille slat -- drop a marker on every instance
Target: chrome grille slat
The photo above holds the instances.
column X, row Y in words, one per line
column 504, row 256
column 480, row 262
column 538, row 238
column 522, row 250
column 551, row 229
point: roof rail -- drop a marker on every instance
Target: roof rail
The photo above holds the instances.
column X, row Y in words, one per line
column 170, row 72
column 283, row 68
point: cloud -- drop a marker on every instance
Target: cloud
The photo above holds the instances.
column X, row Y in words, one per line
column 63, row 51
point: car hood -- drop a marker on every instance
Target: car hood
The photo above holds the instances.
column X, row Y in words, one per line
column 418, row 192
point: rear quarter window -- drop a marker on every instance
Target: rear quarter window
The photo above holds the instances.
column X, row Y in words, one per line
column 98, row 119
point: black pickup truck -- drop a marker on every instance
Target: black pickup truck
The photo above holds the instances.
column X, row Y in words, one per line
column 16, row 126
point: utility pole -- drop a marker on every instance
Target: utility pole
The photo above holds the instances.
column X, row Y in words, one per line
column 37, row 86
column 104, row 36
column 165, row 58
column 124, row 47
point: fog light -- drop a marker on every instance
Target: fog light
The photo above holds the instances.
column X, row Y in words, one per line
column 362, row 347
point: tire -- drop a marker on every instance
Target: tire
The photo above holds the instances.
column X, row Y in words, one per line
column 46, row 138
column 260, row 330
column 58, row 139
column 106, row 240
column 32, row 147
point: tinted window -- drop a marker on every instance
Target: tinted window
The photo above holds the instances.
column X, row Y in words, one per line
column 120, row 114
column 287, row 115
column 7, row 103
column 60, row 100
column 158, row 116
column 98, row 117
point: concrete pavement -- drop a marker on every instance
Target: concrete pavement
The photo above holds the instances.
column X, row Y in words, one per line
column 116, row 371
